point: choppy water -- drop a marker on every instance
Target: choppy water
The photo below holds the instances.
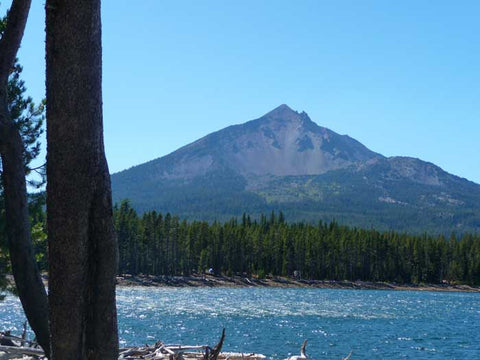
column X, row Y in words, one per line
column 374, row 324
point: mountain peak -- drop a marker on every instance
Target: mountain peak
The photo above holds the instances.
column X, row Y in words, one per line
column 284, row 160
column 283, row 107
column 283, row 112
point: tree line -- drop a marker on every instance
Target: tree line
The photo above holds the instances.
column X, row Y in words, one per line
column 162, row 244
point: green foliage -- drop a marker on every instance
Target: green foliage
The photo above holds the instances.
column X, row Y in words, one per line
column 38, row 223
column 213, row 196
column 359, row 198
column 4, row 259
column 371, row 196
column 159, row 244
column 29, row 118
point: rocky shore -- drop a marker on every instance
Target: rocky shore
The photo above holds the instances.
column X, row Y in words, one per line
column 278, row 282
column 126, row 280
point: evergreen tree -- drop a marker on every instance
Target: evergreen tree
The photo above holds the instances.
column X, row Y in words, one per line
column 273, row 247
column 29, row 118
column 16, row 149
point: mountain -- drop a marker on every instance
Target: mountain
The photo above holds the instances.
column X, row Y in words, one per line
column 284, row 161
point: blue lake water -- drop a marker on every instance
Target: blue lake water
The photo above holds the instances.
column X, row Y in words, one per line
column 374, row 324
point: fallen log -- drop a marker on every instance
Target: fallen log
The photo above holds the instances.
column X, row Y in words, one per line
column 162, row 351
column 158, row 351
column 9, row 340
column 21, row 350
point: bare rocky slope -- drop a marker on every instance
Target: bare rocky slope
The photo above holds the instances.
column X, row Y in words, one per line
column 284, row 161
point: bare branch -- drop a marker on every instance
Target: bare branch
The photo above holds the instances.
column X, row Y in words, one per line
column 302, row 349
column 216, row 350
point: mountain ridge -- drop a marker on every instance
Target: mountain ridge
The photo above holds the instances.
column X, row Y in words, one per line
column 285, row 161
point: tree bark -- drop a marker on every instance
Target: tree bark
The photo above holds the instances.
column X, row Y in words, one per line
column 25, row 270
column 82, row 245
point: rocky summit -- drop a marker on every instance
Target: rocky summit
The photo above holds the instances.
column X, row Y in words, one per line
column 283, row 161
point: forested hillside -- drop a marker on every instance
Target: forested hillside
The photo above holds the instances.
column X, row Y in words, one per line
column 162, row 244
column 285, row 161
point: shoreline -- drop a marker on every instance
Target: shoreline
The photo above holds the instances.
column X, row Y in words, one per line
column 211, row 281
column 214, row 281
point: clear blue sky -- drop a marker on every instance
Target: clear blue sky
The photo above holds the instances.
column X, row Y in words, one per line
column 401, row 77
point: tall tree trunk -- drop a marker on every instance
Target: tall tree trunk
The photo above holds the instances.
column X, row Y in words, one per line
column 25, row 270
column 82, row 244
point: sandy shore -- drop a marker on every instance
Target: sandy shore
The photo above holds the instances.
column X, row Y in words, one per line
column 278, row 282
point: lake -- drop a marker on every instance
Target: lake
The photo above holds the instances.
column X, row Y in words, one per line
column 374, row 324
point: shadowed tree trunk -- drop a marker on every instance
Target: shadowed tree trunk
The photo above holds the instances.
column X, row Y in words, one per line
column 82, row 245
column 25, row 271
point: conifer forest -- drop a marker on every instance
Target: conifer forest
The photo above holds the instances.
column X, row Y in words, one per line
column 162, row 244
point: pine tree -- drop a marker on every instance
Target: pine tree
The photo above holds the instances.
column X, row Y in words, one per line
column 15, row 154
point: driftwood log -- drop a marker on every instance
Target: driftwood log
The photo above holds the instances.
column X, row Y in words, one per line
column 13, row 348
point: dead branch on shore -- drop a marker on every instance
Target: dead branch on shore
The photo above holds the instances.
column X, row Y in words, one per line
column 7, row 339
column 13, row 348
column 303, row 354
column 213, row 355
column 19, row 350
column 160, row 351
